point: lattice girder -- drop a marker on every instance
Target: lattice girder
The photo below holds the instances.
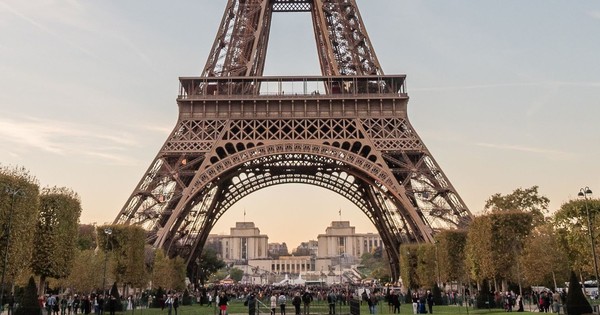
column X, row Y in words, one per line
column 352, row 120
column 281, row 170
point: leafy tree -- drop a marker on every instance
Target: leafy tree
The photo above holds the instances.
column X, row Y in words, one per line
column 451, row 256
column 19, row 200
column 86, row 237
column 87, row 273
column 208, row 264
column 408, row 265
column 426, row 265
column 526, row 200
column 168, row 273
column 550, row 270
column 127, row 245
column 572, row 230
column 577, row 304
column 375, row 265
column 494, row 242
column 29, row 303
column 55, row 234
column 161, row 270
column 236, row 274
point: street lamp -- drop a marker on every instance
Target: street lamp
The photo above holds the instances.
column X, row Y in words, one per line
column 584, row 193
column 13, row 192
column 108, row 232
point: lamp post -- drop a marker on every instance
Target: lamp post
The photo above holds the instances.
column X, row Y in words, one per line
column 437, row 263
column 108, row 232
column 584, row 193
column 13, row 192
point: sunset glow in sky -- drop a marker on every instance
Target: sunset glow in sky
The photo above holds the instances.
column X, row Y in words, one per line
column 505, row 94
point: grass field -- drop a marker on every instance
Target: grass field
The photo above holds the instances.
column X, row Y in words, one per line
column 318, row 308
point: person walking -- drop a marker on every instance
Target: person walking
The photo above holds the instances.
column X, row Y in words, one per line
column 331, row 302
column 430, row 301
column 282, row 301
column 176, row 303
column 273, row 303
column 296, row 301
column 169, row 304
column 307, row 298
column 11, row 304
column 223, row 301
column 251, row 303
column 415, row 302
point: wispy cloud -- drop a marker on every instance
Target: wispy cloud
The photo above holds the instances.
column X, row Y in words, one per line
column 553, row 154
column 46, row 29
column 549, row 84
column 30, row 133
column 594, row 14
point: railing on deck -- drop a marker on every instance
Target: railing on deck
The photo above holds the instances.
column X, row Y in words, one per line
column 193, row 88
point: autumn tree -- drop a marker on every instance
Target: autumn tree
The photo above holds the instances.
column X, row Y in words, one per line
column 450, row 246
column 208, row 264
column 526, row 200
column 552, row 269
column 409, row 261
column 55, row 233
column 19, row 201
column 573, row 232
column 494, row 243
column 168, row 273
column 126, row 245
column 87, row 271
column 86, row 237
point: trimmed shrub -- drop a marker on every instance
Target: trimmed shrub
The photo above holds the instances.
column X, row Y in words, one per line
column 577, row 304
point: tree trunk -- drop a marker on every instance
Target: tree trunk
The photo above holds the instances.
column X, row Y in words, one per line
column 42, row 287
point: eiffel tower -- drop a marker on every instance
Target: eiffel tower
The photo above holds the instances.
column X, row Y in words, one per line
column 239, row 131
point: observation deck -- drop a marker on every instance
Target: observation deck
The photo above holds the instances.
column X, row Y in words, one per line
column 292, row 96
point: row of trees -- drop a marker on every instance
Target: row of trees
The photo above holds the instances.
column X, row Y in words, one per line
column 513, row 242
column 43, row 237
column 40, row 227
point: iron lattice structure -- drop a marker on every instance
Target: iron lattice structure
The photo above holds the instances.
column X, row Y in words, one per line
column 239, row 131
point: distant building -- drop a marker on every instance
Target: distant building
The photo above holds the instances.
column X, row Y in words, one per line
column 242, row 244
column 278, row 249
column 342, row 246
column 285, row 265
column 309, row 248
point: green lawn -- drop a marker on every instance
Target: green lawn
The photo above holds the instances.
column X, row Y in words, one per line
column 317, row 308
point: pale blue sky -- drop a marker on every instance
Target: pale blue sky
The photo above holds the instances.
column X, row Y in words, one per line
column 505, row 94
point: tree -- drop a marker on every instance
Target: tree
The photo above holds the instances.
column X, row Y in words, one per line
column 127, row 246
column 571, row 226
column 208, row 264
column 451, row 256
column 55, row 234
column 577, row 304
column 29, row 303
column 375, row 265
column 87, row 271
column 86, row 237
column 168, row 273
column 550, row 270
column 236, row 274
column 408, row 265
column 494, row 242
column 526, row 200
column 19, row 201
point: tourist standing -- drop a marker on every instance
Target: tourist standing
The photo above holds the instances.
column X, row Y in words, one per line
column 306, row 300
column 282, row 301
column 273, row 303
column 251, row 302
column 223, row 303
column 296, row 301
